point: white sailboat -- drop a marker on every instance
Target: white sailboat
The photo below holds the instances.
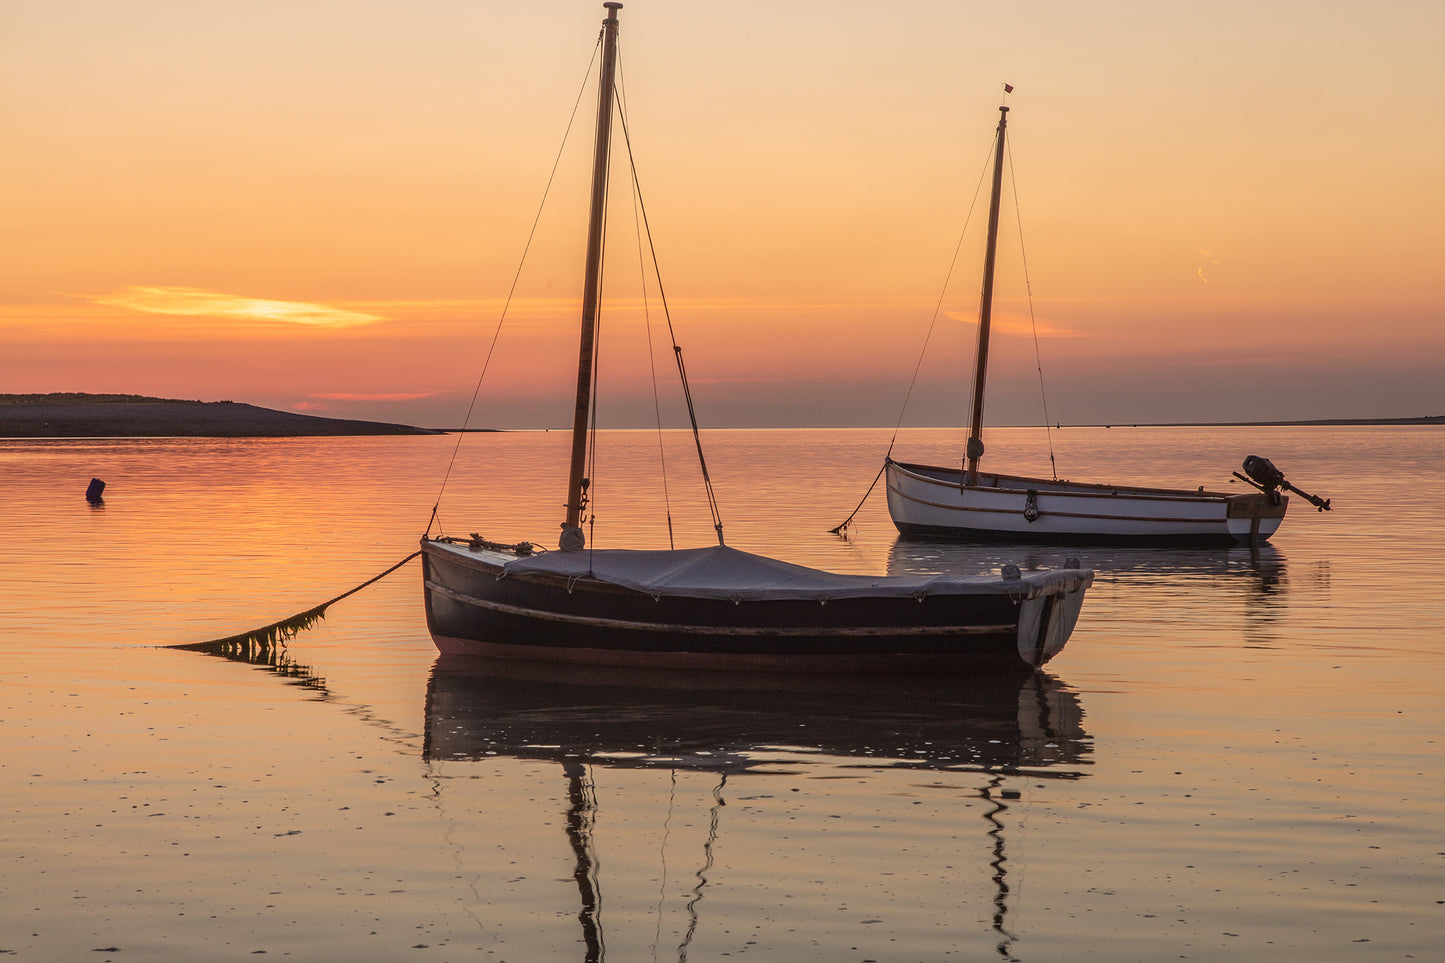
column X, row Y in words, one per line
column 964, row 501
column 716, row 607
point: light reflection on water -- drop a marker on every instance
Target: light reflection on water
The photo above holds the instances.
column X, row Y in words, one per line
column 1233, row 762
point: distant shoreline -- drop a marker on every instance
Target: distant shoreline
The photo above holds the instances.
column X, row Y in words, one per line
column 1424, row 420
column 76, row 415
column 79, row 415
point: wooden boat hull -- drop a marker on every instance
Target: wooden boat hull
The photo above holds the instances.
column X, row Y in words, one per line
column 476, row 606
column 932, row 501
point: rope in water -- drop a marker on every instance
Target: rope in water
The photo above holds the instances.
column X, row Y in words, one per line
column 276, row 633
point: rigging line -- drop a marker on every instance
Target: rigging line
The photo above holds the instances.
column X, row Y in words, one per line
column 676, row 348
column 506, row 305
column 927, row 337
column 943, row 292
column 646, row 313
column 1033, row 322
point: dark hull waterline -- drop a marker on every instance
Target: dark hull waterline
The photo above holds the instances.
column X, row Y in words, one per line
column 475, row 606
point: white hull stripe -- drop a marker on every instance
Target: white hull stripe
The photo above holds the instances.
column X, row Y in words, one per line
column 1052, row 513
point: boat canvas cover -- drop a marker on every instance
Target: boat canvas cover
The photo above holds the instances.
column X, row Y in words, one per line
column 720, row 572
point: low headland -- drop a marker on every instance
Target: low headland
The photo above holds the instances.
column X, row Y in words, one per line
column 81, row 415
column 78, row 415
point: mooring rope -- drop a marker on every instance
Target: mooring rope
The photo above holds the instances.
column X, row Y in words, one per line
column 276, row 633
column 881, row 468
column 512, row 291
column 842, row 528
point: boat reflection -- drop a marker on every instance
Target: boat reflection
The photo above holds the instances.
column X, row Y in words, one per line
column 478, row 708
column 1018, row 724
column 1262, row 567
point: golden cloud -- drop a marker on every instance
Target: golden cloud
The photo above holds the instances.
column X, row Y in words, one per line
column 210, row 304
column 394, row 396
column 1017, row 325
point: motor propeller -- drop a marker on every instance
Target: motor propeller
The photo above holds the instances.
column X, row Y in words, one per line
column 1267, row 478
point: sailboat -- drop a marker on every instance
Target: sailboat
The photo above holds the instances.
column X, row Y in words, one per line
column 946, row 501
column 716, row 607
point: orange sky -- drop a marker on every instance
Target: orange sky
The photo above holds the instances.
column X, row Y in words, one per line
column 1230, row 211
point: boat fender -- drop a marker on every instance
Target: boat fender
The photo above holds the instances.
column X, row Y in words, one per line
column 1031, row 506
column 1072, row 562
column 1010, row 572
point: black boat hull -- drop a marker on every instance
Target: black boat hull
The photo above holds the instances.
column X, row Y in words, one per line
column 474, row 608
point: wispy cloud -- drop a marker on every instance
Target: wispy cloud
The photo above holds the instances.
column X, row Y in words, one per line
column 395, row 396
column 233, row 307
column 339, row 400
column 1018, row 325
column 1208, row 258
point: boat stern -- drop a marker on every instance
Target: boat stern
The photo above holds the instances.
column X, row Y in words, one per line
column 1047, row 619
column 1254, row 516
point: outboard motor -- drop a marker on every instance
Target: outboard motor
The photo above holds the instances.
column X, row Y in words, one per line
column 1267, row 478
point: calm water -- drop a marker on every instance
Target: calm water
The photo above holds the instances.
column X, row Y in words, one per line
column 1237, row 756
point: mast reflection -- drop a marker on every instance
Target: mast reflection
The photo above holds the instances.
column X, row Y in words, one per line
column 1020, row 724
column 1025, row 724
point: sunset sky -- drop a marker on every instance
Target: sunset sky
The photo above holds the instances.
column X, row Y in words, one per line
column 1230, row 211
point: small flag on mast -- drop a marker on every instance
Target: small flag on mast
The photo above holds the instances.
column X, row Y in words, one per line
column 1008, row 88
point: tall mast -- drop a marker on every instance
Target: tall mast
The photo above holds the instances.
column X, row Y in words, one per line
column 985, row 309
column 572, row 537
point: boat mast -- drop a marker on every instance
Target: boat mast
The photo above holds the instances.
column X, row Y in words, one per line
column 985, row 309
column 572, row 537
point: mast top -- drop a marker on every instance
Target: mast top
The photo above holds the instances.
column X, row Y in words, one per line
column 613, row 6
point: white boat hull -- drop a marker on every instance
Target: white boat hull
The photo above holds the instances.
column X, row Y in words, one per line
column 933, row 501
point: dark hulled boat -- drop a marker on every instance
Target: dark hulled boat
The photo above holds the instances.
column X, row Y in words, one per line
column 717, row 607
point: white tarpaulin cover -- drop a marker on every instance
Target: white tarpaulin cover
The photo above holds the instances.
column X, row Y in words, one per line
column 726, row 573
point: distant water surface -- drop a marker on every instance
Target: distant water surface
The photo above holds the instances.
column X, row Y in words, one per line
column 1236, row 757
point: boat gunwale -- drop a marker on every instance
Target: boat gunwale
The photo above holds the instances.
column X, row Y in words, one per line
column 1066, row 487
column 983, row 510
column 1029, row 585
